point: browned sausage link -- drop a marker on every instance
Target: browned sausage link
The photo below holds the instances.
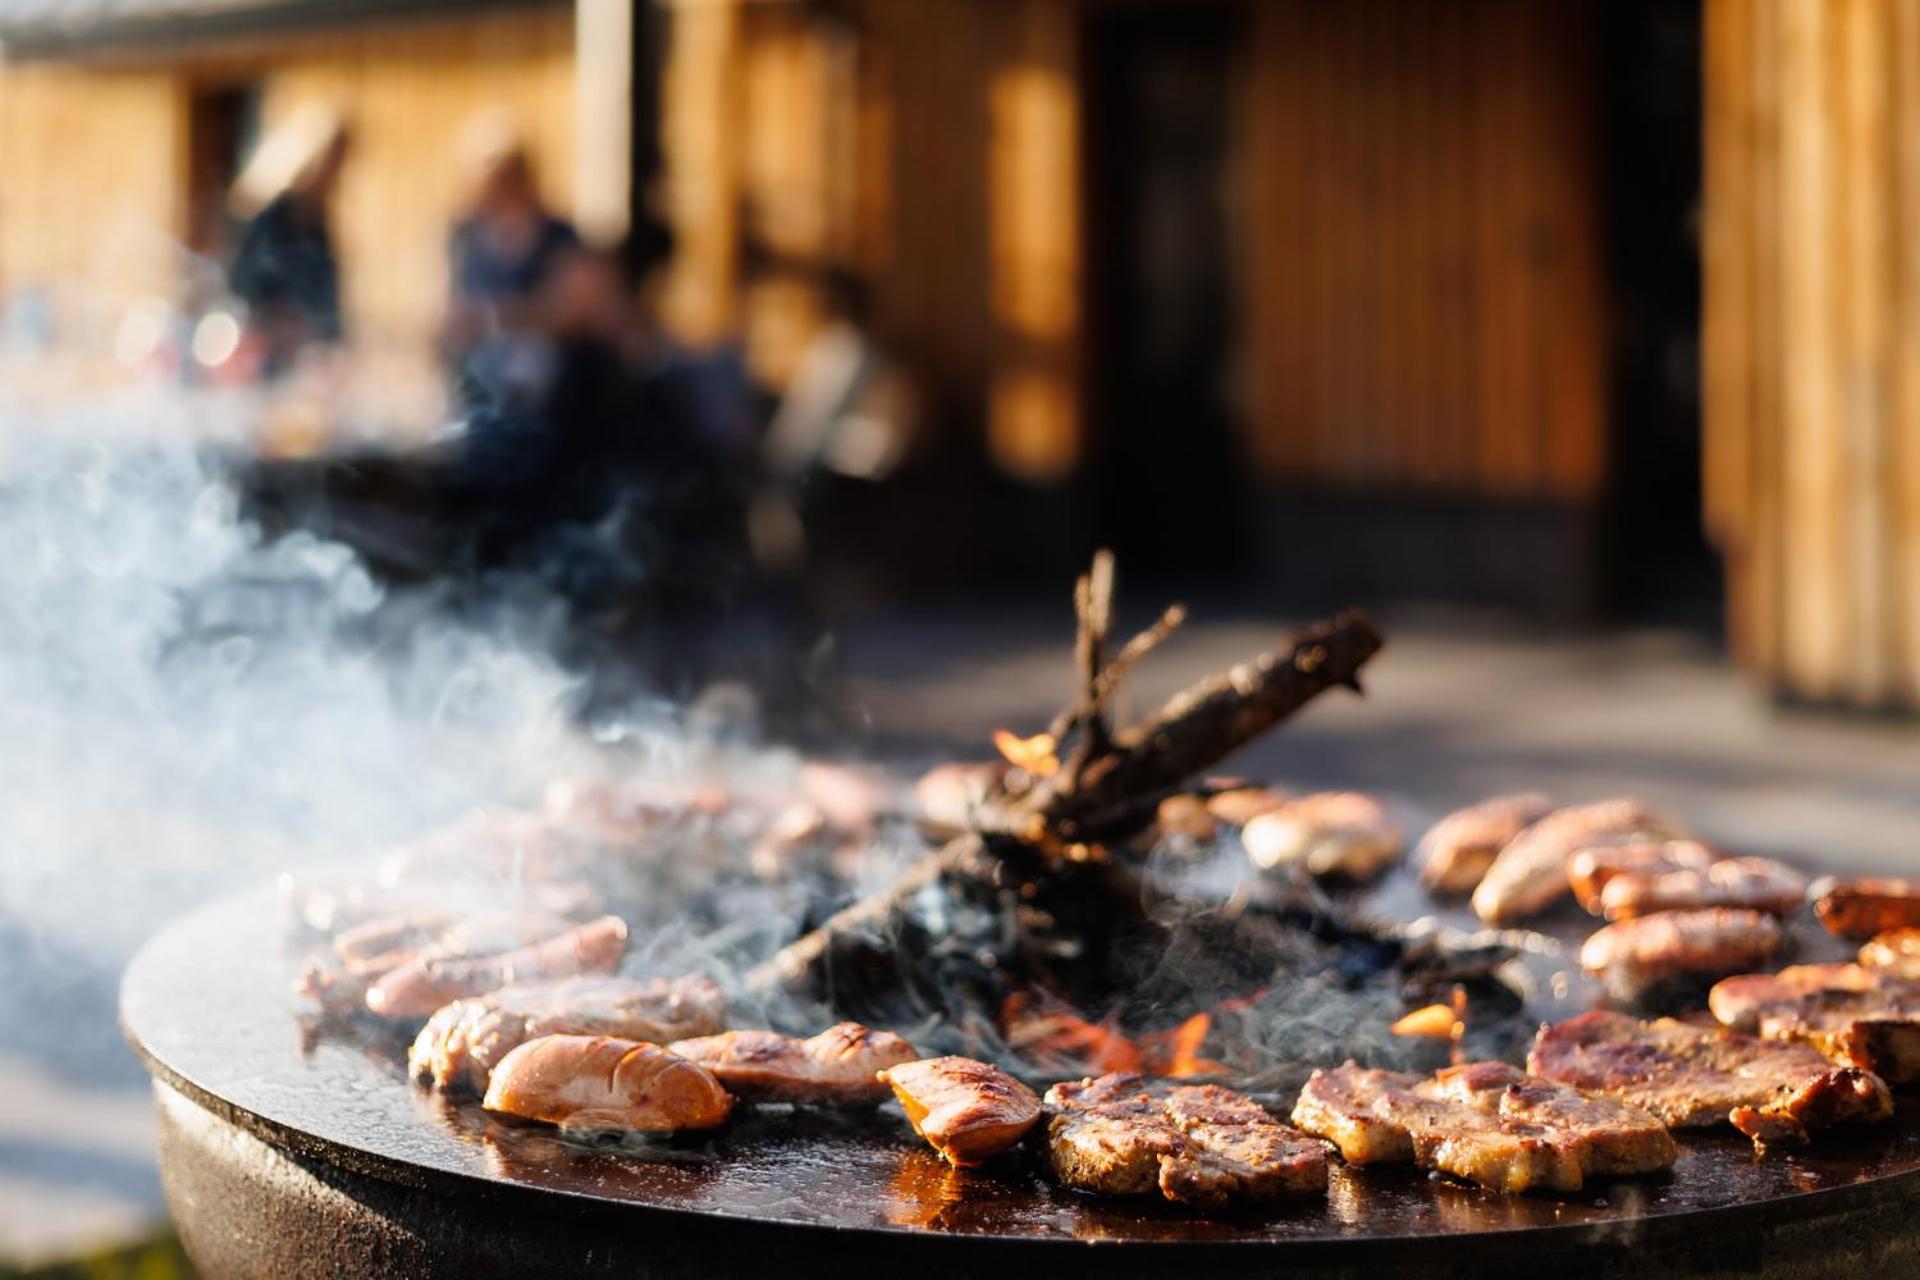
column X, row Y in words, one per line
column 1860, row 909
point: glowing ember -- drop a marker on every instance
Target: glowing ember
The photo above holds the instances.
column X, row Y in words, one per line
column 1035, row 754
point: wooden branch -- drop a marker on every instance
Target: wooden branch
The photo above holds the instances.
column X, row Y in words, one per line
column 1117, row 791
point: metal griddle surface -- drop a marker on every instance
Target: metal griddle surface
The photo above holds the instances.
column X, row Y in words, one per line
column 207, row 1003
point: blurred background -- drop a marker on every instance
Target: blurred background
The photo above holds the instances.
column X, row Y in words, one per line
column 803, row 349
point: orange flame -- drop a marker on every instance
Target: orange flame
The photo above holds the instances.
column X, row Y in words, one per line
column 1035, row 754
column 1439, row 1022
column 1045, row 1026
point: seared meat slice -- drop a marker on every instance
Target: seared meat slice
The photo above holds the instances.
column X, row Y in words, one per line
column 968, row 1111
column 1199, row 1145
column 1593, row 867
column 1854, row 1015
column 1330, row 833
column 1631, row 956
column 1759, row 884
column 595, row 1083
column 840, row 1065
column 1693, row 1077
column 1486, row 1121
column 1896, row 950
column 1456, row 853
column 1530, row 874
column 460, row 1045
column 417, row 988
column 1863, row 908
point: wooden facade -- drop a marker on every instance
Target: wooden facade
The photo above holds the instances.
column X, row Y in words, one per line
column 95, row 208
column 1812, row 340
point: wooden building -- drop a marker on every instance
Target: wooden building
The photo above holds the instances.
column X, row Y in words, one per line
column 121, row 126
column 1324, row 286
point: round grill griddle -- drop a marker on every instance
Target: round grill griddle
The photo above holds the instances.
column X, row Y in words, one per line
column 317, row 1155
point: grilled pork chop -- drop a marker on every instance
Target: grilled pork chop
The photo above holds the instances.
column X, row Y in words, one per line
column 1864, row 908
column 1330, row 833
column 1854, row 1015
column 1199, row 1145
column 1530, row 874
column 422, row 985
column 1631, row 956
column 1758, row 884
column 460, row 1044
column 1460, row 847
column 591, row 1084
column 840, row 1066
column 1486, row 1121
column 968, row 1111
column 1774, row 1091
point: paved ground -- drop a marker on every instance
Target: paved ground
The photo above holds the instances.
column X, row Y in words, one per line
column 1453, row 712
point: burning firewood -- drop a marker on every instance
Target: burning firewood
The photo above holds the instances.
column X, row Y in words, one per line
column 1084, row 784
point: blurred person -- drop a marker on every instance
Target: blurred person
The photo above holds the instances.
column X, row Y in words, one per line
column 502, row 253
column 286, row 269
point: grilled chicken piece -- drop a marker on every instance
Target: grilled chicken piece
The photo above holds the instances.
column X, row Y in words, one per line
column 1457, row 851
column 460, row 1045
column 1199, row 1145
column 840, row 1066
column 1329, row 833
column 1896, row 950
column 1758, row 884
column 1861, row 909
column 369, row 951
column 1854, row 1015
column 1237, row 806
column 1591, row 869
column 1774, row 1091
column 591, row 1084
column 1530, row 874
column 968, row 1111
column 417, row 988
column 1632, row 956
column 1486, row 1122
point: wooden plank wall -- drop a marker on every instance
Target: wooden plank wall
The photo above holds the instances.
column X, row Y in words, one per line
column 95, row 153
column 92, row 190
column 1812, row 340
column 1422, row 297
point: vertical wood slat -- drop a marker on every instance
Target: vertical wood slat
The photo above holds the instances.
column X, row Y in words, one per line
column 1423, row 305
column 1812, row 340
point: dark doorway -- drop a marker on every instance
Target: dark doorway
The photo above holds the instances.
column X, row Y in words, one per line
column 223, row 122
column 1659, row 565
column 1164, row 481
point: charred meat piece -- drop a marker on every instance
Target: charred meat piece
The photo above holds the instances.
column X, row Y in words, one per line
column 1758, row 884
column 840, row 1066
column 462, row 1043
column 1592, row 868
column 591, row 1084
column 1854, row 1015
column 1530, row 874
column 1774, row 1091
column 968, row 1111
column 1632, row 956
column 1487, row 1122
column 1896, row 950
column 1861, row 909
column 417, row 988
column 1344, row 834
column 1198, row 1145
column 1457, row 851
